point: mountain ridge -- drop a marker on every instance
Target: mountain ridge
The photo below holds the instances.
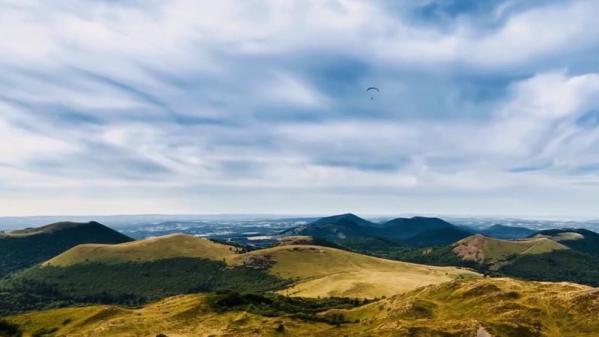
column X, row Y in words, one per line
column 24, row 248
column 500, row 231
column 416, row 230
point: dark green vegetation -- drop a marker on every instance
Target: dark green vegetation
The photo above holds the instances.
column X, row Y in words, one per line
column 556, row 266
column 434, row 255
column 417, row 239
column 126, row 283
column 422, row 231
column 25, row 248
column 507, row 232
column 350, row 231
column 335, row 228
column 8, row 329
column 432, row 241
column 277, row 306
column 586, row 242
column 566, row 265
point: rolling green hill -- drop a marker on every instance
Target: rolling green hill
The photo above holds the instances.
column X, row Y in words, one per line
column 25, row 248
column 319, row 271
column 132, row 273
column 551, row 255
column 474, row 307
column 538, row 258
column 136, row 272
column 495, row 253
column 147, row 250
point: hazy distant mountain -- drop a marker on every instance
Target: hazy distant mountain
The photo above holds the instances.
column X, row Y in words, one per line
column 26, row 247
column 349, row 228
column 335, row 228
column 422, row 231
column 507, row 232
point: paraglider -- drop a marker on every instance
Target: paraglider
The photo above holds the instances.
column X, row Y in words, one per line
column 372, row 91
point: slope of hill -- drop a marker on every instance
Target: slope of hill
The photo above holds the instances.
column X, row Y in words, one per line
column 487, row 307
column 24, row 248
column 582, row 240
column 476, row 307
column 538, row 258
column 132, row 273
column 137, row 272
column 507, row 232
column 324, row 272
column 150, row 249
column 495, row 253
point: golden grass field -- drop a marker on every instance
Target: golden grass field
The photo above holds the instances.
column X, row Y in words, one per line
column 479, row 307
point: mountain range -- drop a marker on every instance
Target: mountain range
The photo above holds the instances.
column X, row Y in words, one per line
column 553, row 255
column 415, row 231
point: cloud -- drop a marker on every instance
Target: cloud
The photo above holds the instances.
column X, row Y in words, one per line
column 197, row 106
column 18, row 145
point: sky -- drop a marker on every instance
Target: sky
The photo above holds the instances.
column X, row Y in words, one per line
column 143, row 106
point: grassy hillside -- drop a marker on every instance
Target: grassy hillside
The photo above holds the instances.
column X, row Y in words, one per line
column 25, row 248
column 132, row 273
column 498, row 307
column 127, row 283
column 324, row 271
column 400, row 239
column 475, row 307
column 494, row 253
column 534, row 259
column 151, row 249
column 136, row 272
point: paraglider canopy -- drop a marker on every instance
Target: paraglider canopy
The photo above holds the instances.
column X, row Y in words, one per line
column 372, row 91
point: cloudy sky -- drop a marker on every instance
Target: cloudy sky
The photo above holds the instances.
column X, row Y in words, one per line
column 485, row 107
